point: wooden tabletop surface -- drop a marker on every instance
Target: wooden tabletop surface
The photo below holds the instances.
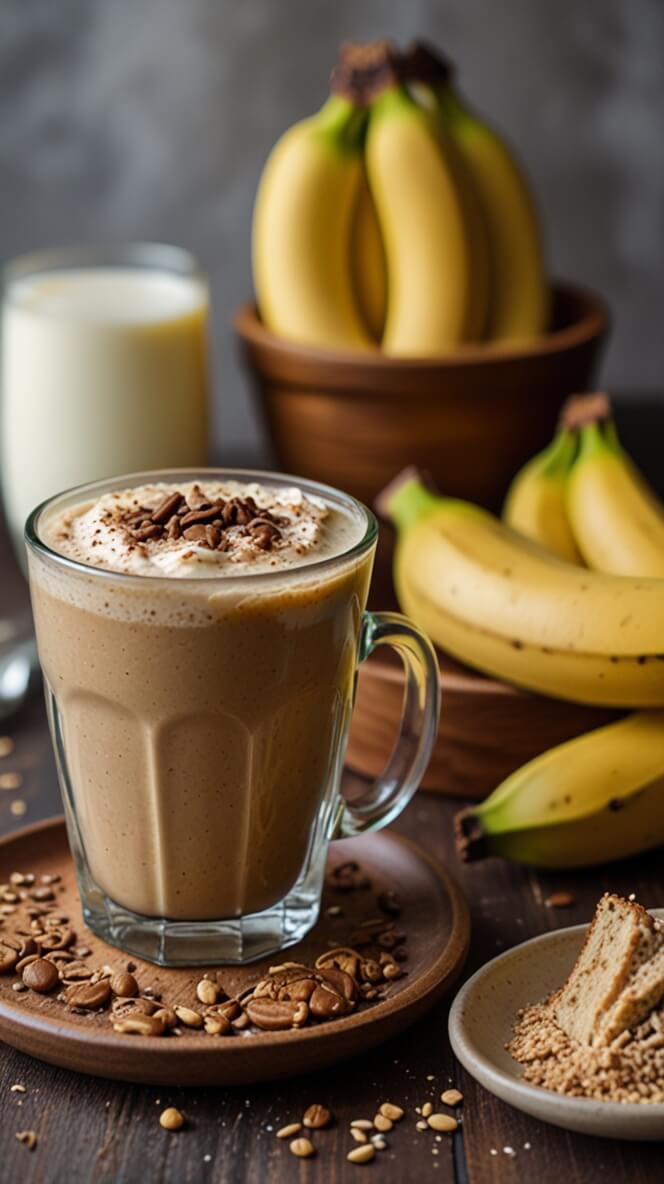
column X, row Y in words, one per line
column 92, row 1130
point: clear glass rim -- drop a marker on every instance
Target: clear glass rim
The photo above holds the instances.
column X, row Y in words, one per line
column 37, row 545
column 148, row 256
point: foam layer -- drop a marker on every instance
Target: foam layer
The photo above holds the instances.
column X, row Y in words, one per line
column 310, row 529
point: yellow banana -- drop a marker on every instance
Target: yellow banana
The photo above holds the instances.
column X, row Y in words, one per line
column 618, row 521
column 596, row 798
column 368, row 264
column 519, row 293
column 414, row 172
column 301, row 230
column 503, row 604
column 535, row 502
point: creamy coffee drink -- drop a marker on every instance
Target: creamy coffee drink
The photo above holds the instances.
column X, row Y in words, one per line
column 202, row 677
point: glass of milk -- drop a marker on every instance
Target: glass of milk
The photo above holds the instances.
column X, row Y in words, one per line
column 104, row 369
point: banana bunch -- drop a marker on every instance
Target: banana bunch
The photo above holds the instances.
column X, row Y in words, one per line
column 584, row 499
column 396, row 217
column 593, row 799
column 505, row 605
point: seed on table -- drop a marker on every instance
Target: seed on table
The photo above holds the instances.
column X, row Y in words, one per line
column 303, row 1148
column 207, row 991
column 378, row 1142
column 361, row 1154
column 362, row 1124
column 28, row 1138
column 6, row 746
column 17, row 1088
column 125, row 985
column 41, row 976
column 171, row 1119
column 18, row 807
column 10, row 781
column 442, row 1122
column 358, row 1135
column 382, row 1123
column 291, row 1128
column 388, row 1110
column 427, row 1109
column 191, row 1019
column 451, row 1097
column 316, row 1116
column 421, row 1125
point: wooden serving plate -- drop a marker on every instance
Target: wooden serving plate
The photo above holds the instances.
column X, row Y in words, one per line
column 487, row 728
column 434, row 916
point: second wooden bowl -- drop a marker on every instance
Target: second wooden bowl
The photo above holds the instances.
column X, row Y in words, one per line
column 487, row 729
column 470, row 418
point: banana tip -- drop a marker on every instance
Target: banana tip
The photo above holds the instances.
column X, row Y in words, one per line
column 469, row 837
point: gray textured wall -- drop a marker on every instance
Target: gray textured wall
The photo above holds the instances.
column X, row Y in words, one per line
column 128, row 119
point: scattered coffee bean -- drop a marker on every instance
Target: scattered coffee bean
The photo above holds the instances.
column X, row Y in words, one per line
column 140, row 1025
column 316, row 1116
column 167, row 1017
column 207, row 991
column 382, row 1123
column 451, row 1097
column 362, row 1154
column 292, row 1128
column 388, row 1110
column 302, row 1147
column 442, row 1122
column 124, row 984
column 88, row 996
column 171, row 1119
column 190, row 1019
column 41, row 976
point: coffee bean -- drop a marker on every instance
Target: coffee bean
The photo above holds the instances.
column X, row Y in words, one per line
column 316, row 1116
column 191, row 1019
column 167, row 507
column 302, row 1148
column 140, row 1025
column 125, row 985
column 171, row 1119
column 88, row 996
column 41, row 976
column 272, row 1015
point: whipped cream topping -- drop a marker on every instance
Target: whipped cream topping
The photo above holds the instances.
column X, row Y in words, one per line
column 248, row 527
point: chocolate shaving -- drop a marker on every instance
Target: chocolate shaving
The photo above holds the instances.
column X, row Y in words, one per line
column 169, row 506
column 201, row 520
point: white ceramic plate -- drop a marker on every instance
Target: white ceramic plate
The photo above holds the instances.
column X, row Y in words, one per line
column 481, row 1021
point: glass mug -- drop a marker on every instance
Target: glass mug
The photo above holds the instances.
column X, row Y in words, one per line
column 104, row 368
column 200, row 728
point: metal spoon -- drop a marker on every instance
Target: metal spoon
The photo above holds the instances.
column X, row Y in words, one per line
column 18, row 665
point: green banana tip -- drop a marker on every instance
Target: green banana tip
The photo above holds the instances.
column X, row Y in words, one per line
column 406, row 498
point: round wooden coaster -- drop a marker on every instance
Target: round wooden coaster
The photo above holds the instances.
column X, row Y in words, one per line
column 434, row 917
column 487, row 728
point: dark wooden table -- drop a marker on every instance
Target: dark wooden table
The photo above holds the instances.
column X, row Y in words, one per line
column 102, row 1131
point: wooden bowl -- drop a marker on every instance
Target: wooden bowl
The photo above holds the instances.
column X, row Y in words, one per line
column 471, row 418
column 487, row 728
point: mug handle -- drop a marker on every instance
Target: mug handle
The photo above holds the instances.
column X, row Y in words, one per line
column 391, row 792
